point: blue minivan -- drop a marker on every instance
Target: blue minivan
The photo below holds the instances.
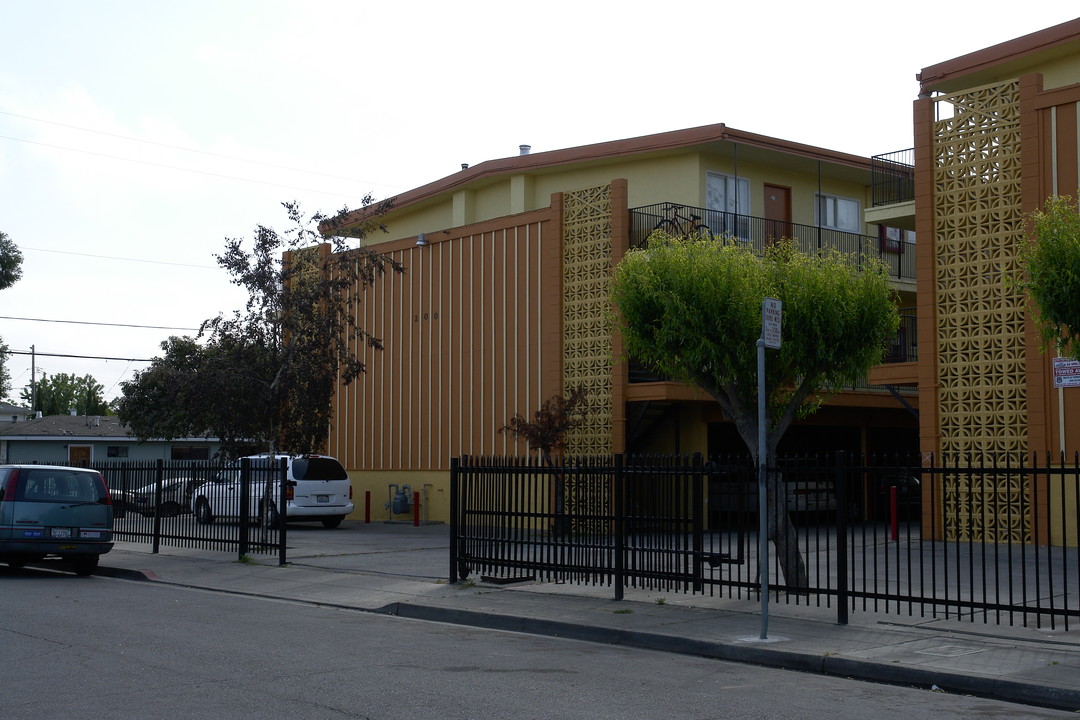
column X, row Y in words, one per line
column 48, row 510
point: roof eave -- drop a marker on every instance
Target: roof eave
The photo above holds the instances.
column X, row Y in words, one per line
column 659, row 142
column 938, row 77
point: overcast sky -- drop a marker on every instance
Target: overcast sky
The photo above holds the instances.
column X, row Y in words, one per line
column 136, row 135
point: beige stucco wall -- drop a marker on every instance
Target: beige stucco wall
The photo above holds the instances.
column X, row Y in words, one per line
column 678, row 177
column 433, row 486
column 1060, row 72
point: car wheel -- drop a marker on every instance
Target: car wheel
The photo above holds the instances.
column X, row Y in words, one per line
column 170, row 509
column 269, row 514
column 203, row 514
column 332, row 522
column 85, row 566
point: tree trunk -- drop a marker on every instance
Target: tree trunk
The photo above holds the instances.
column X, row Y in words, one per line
column 783, row 535
column 560, row 524
column 781, row 531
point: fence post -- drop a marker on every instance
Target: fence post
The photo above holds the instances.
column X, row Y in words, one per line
column 697, row 524
column 159, row 473
column 454, row 465
column 283, row 509
column 245, row 502
column 620, row 527
column 843, row 474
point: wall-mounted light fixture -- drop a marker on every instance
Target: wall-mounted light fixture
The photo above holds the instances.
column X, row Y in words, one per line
column 420, row 241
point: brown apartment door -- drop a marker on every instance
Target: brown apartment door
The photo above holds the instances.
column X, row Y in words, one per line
column 79, row 454
column 777, row 212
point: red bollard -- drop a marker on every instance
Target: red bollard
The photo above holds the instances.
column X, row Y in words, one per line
column 893, row 520
column 416, row 509
column 367, row 507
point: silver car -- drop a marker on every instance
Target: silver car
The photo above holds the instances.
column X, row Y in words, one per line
column 49, row 510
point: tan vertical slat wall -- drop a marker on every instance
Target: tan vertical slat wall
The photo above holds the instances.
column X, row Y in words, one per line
column 1052, row 166
column 466, row 339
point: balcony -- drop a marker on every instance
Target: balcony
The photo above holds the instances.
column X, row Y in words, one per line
column 758, row 232
column 905, row 347
column 892, row 181
column 902, row 351
column 892, row 177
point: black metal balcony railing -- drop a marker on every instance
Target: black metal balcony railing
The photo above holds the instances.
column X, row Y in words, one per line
column 892, row 177
column 757, row 232
column 905, row 347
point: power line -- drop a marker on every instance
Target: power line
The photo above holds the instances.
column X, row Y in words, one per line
column 84, row 322
column 174, row 167
column 78, row 357
column 113, row 257
column 187, row 149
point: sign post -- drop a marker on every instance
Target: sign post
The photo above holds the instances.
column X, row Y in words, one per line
column 1066, row 375
column 771, row 315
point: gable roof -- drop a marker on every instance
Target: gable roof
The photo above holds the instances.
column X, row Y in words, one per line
column 79, row 427
column 67, row 426
column 9, row 409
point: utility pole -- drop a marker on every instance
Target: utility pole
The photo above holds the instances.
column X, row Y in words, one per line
column 33, row 381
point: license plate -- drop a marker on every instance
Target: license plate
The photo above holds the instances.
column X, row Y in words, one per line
column 322, row 498
column 60, row 532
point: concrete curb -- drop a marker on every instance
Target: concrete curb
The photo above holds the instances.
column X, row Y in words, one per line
column 126, row 574
column 954, row 683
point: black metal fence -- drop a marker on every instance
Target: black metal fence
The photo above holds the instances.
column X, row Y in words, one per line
column 996, row 543
column 757, row 232
column 154, row 502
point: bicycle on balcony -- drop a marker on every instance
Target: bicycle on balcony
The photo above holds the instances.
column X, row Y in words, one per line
column 684, row 227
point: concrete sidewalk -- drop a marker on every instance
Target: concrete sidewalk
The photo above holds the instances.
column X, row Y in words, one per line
column 402, row 570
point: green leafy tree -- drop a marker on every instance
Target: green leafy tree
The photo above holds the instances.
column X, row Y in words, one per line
column 61, row 393
column 10, row 262
column 692, row 310
column 10, row 272
column 212, row 389
column 268, row 373
column 5, row 373
column 1052, row 261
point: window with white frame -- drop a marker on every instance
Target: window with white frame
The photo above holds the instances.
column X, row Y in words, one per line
column 730, row 196
column 838, row 213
